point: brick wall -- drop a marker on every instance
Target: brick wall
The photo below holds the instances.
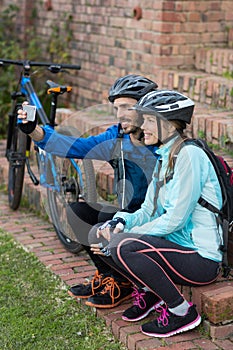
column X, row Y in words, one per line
column 110, row 41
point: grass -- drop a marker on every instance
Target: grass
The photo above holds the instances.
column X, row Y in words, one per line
column 36, row 312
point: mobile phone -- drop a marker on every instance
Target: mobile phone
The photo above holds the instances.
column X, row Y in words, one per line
column 31, row 112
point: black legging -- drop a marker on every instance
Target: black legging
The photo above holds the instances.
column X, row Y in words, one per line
column 159, row 264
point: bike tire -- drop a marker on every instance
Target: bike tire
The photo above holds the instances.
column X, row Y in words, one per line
column 70, row 191
column 16, row 157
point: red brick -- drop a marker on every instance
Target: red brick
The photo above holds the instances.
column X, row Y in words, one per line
column 125, row 331
column 179, row 346
column 218, row 303
column 149, row 344
column 134, row 338
column 63, row 272
column 205, row 344
column 218, row 331
column 117, row 326
column 224, row 344
column 185, row 337
column 52, row 263
column 57, row 256
column 75, row 281
column 197, row 295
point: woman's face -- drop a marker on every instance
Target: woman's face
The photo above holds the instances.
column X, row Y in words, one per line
column 150, row 129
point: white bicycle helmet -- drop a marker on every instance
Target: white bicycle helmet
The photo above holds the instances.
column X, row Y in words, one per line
column 172, row 105
column 131, row 85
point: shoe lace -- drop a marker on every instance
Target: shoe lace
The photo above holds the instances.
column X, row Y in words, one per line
column 110, row 286
column 139, row 298
column 164, row 314
column 97, row 279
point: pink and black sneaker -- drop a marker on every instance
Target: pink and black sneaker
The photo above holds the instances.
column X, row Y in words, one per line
column 144, row 303
column 168, row 324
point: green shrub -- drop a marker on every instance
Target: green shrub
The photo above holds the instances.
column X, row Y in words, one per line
column 14, row 46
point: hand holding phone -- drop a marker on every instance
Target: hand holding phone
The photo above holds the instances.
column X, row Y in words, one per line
column 31, row 119
column 31, row 112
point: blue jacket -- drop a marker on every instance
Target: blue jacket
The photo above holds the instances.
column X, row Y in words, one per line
column 178, row 217
column 133, row 165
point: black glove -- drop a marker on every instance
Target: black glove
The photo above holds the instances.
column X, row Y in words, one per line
column 105, row 250
column 117, row 222
column 29, row 127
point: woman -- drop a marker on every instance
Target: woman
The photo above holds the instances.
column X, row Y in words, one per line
column 172, row 239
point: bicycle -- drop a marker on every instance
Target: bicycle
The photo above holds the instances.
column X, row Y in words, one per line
column 65, row 181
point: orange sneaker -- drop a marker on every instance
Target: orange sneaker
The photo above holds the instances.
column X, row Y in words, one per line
column 86, row 290
column 113, row 294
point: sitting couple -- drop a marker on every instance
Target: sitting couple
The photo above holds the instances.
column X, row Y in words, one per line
column 147, row 248
column 171, row 239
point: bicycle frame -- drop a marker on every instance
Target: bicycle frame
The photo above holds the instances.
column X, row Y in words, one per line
column 63, row 178
column 27, row 90
column 46, row 163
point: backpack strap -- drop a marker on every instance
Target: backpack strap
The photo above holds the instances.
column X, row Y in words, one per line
column 209, row 206
column 219, row 217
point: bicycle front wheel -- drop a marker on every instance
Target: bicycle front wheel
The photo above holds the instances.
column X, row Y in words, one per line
column 73, row 186
column 72, row 181
column 16, row 158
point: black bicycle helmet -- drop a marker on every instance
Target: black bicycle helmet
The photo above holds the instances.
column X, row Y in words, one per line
column 131, row 85
column 171, row 105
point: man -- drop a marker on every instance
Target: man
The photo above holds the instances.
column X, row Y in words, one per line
column 122, row 146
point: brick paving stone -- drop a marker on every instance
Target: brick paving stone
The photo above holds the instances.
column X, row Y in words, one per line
column 224, row 344
column 180, row 346
column 91, row 269
column 54, row 262
column 56, row 256
column 72, row 265
column 74, row 281
column 73, row 276
column 62, row 272
column 187, row 336
column 149, row 344
column 205, row 344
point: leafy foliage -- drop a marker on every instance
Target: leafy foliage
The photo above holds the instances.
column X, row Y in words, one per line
column 15, row 45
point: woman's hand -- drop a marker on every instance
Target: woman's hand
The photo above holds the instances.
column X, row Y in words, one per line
column 96, row 248
column 105, row 231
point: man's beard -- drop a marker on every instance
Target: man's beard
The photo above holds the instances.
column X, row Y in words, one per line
column 131, row 130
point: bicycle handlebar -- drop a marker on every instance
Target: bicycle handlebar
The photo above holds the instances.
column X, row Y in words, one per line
column 54, row 67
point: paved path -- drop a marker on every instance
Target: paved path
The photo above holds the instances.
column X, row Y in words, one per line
column 38, row 236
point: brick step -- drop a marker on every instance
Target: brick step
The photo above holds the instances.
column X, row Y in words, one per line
column 213, row 124
column 202, row 87
column 218, row 61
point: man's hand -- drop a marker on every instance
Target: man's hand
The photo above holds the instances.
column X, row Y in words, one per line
column 25, row 126
column 30, row 128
